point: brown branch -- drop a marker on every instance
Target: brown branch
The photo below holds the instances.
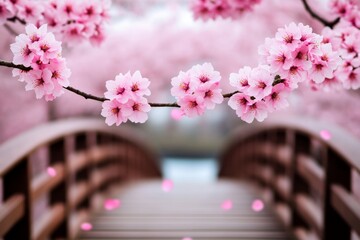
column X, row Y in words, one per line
column 12, row 65
column 10, row 30
column 330, row 24
column 96, row 98
column 229, row 95
column 86, row 95
column 14, row 19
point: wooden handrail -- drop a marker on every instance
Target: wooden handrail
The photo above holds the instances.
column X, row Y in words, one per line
column 85, row 158
column 308, row 174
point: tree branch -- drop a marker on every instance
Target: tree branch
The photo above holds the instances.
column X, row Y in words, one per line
column 12, row 65
column 229, row 95
column 85, row 95
column 317, row 17
column 96, row 98
column 10, row 30
column 14, row 19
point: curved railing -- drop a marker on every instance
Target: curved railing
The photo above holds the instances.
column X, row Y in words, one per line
column 85, row 159
column 307, row 167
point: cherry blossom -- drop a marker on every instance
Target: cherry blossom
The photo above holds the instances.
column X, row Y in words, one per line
column 39, row 50
column 212, row 9
column 294, row 55
column 197, row 89
column 71, row 21
column 126, row 99
column 113, row 111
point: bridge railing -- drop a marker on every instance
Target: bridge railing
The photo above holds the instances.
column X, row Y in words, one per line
column 308, row 168
column 85, row 159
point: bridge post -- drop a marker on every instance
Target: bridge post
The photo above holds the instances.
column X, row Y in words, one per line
column 337, row 171
column 301, row 144
column 17, row 181
column 59, row 194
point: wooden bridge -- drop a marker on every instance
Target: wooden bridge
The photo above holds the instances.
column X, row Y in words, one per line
column 304, row 180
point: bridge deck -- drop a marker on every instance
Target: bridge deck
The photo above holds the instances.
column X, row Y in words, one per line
column 188, row 210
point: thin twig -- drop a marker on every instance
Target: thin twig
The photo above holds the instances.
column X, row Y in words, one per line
column 86, row 95
column 330, row 24
column 96, row 98
column 10, row 30
column 229, row 95
column 12, row 65
column 164, row 105
column 14, row 19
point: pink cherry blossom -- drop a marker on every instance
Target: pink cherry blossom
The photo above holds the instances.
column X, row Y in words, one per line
column 119, row 88
column 136, row 110
column 212, row 9
column 204, row 74
column 192, row 105
column 126, row 99
column 256, row 110
column 39, row 50
column 240, row 103
column 278, row 98
column 197, row 89
column 182, row 85
column 289, row 36
column 240, row 80
column 40, row 82
column 260, row 82
column 113, row 111
column 211, row 95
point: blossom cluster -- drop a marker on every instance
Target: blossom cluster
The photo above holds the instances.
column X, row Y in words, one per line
column 295, row 54
column 71, row 21
column 39, row 50
column 347, row 10
column 126, row 99
column 258, row 93
column 197, row 89
column 212, row 9
column 344, row 39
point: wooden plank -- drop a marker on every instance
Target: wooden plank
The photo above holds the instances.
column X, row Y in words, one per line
column 310, row 212
column 194, row 210
column 282, row 185
column 347, row 205
column 283, row 155
column 44, row 182
column 17, row 148
column 180, row 234
column 76, row 219
column 311, row 172
column 11, row 212
column 284, row 213
column 78, row 160
column 48, row 222
column 78, row 192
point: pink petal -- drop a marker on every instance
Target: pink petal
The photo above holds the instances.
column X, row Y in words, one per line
column 86, row 226
column 227, row 205
column 176, row 114
column 111, row 204
column 326, row 135
column 51, row 171
column 167, row 185
column 257, row 205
